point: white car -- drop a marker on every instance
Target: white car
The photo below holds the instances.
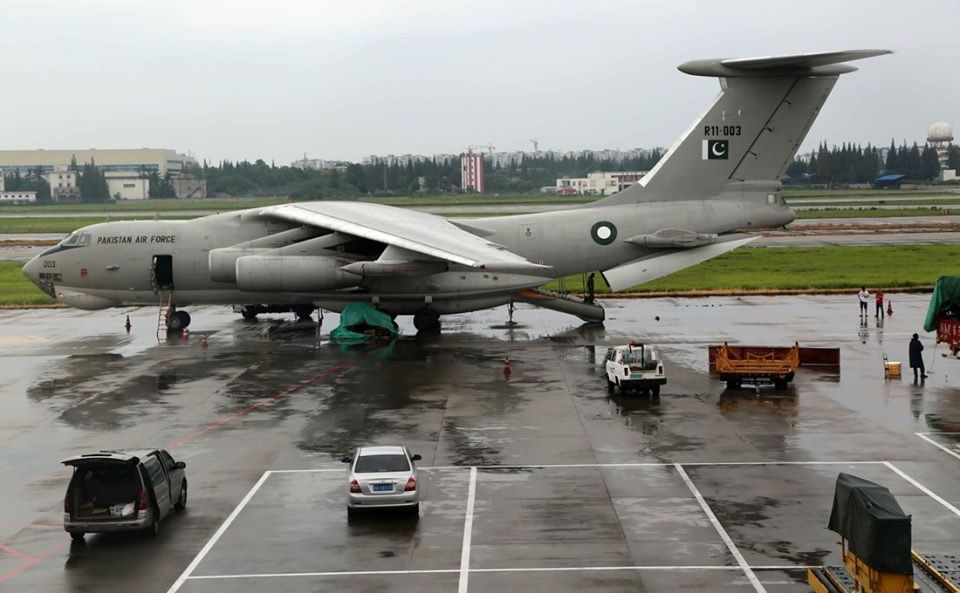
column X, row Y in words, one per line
column 634, row 366
column 382, row 477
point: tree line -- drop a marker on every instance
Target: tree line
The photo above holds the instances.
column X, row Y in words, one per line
column 852, row 163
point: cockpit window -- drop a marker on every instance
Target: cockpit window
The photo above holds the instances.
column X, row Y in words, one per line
column 76, row 239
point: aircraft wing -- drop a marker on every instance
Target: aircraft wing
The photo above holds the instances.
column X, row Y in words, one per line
column 414, row 231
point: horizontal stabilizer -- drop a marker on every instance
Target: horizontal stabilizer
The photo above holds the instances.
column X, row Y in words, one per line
column 826, row 63
column 659, row 264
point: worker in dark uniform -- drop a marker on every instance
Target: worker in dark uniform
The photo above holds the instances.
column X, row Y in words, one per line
column 590, row 288
column 916, row 359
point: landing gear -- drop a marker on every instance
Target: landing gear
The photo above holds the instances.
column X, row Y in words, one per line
column 304, row 312
column 249, row 313
column 426, row 320
column 178, row 321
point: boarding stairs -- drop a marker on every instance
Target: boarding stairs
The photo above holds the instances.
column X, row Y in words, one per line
column 163, row 315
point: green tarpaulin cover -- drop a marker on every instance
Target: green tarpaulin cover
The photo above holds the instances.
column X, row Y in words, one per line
column 356, row 317
column 945, row 292
column 870, row 519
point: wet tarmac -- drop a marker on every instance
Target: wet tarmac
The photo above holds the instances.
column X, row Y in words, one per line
column 533, row 481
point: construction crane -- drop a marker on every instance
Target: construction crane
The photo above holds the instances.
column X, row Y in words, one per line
column 490, row 147
column 536, row 144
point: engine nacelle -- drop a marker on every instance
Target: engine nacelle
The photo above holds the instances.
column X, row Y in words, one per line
column 292, row 273
column 223, row 262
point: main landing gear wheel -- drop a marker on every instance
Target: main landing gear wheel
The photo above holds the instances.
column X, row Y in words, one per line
column 178, row 321
column 249, row 313
column 426, row 320
column 304, row 313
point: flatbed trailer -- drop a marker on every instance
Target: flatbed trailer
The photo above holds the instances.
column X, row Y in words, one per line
column 740, row 364
column 932, row 573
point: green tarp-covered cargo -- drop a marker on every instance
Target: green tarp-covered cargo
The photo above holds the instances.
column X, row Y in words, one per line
column 360, row 321
column 946, row 294
column 870, row 519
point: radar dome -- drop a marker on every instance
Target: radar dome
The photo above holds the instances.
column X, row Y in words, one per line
column 940, row 132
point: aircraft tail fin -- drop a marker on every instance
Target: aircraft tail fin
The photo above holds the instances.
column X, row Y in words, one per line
column 752, row 129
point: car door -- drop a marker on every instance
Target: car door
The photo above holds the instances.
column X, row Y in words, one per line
column 159, row 482
column 176, row 475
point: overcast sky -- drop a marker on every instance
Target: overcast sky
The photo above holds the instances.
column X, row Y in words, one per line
column 272, row 79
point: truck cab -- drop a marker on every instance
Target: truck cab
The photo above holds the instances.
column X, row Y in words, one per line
column 634, row 366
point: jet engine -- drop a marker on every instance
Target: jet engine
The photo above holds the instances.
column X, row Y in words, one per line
column 292, row 273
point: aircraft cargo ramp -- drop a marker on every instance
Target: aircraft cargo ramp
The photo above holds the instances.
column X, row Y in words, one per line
column 589, row 312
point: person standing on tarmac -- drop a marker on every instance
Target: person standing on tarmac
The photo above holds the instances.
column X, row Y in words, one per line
column 916, row 359
column 864, row 298
column 879, row 297
column 590, row 288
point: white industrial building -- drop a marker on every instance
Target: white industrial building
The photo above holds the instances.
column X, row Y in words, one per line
column 599, row 183
column 125, row 169
column 15, row 197
column 63, row 184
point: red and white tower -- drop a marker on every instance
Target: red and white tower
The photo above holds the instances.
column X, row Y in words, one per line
column 471, row 171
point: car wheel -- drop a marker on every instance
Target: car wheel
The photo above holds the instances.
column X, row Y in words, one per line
column 415, row 511
column 77, row 536
column 780, row 384
column 351, row 514
column 609, row 385
column 655, row 391
column 181, row 503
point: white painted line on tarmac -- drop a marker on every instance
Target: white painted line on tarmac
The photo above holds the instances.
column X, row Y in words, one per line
column 923, row 489
column 361, row 573
column 757, row 586
column 353, row 573
column 467, row 533
column 943, row 448
column 216, row 536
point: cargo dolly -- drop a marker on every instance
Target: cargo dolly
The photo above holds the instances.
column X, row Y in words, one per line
column 756, row 365
column 876, row 550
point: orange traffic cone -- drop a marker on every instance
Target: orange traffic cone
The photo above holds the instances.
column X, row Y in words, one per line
column 203, row 341
column 506, row 366
column 185, row 334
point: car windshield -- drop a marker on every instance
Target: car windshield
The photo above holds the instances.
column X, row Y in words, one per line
column 373, row 464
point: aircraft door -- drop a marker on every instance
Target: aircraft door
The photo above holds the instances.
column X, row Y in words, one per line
column 161, row 273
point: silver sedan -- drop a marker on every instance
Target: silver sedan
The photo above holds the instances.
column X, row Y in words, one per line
column 382, row 477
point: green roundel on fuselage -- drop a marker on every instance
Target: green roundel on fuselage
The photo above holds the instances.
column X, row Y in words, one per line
column 603, row 232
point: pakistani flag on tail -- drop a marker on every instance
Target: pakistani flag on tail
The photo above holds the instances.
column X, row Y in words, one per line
column 715, row 149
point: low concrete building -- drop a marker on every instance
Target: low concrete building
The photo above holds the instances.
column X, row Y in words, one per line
column 15, row 197
column 601, row 183
column 63, row 184
column 127, row 188
column 131, row 165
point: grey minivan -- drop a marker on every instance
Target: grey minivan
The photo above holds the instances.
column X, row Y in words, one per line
column 122, row 491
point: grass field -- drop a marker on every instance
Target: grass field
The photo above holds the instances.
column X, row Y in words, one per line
column 64, row 224
column 805, row 268
column 15, row 289
column 872, row 212
column 743, row 269
column 224, row 204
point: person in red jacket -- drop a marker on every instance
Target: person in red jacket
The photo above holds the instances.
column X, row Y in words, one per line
column 879, row 312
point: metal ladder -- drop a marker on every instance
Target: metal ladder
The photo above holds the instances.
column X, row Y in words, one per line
column 163, row 315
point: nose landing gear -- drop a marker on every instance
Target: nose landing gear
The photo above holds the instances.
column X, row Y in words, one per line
column 426, row 320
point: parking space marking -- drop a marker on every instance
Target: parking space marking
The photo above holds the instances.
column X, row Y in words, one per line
column 271, row 575
column 720, row 530
column 217, row 535
column 362, row 573
column 467, row 533
column 643, row 464
column 923, row 489
column 923, row 435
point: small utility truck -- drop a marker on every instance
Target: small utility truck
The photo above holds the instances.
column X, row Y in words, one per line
column 634, row 366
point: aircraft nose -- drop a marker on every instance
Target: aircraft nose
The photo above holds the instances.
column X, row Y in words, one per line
column 32, row 271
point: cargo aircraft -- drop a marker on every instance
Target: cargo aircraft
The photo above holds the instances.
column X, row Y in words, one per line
column 719, row 180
